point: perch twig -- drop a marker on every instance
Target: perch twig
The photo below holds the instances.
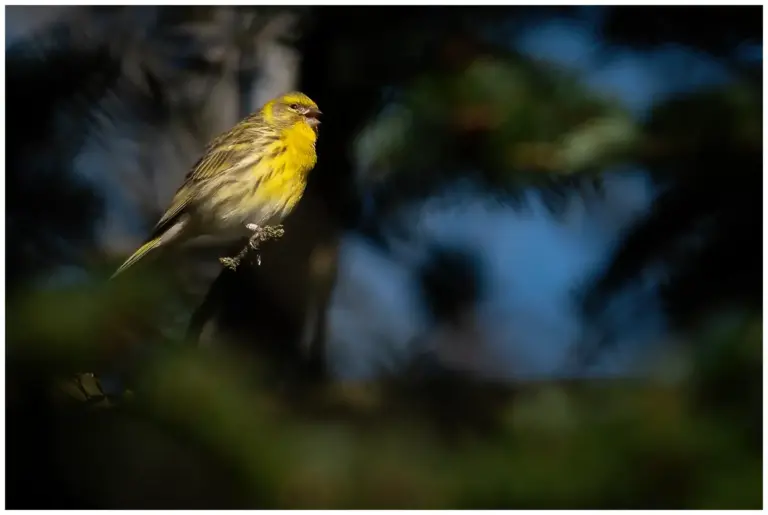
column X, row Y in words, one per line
column 259, row 236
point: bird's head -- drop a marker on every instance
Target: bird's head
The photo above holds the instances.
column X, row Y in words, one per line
column 292, row 108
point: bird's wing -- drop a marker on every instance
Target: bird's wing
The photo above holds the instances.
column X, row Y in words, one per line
column 226, row 152
column 180, row 201
column 230, row 149
column 217, row 159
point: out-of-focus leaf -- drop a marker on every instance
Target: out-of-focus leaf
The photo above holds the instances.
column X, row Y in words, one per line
column 597, row 141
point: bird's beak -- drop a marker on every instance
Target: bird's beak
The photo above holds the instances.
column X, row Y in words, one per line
column 313, row 116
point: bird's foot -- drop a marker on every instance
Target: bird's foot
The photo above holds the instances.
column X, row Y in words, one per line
column 257, row 235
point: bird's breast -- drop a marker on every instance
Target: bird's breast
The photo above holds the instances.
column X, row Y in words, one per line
column 265, row 190
column 299, row 141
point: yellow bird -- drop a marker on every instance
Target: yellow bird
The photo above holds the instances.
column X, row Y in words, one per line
column 249, row 177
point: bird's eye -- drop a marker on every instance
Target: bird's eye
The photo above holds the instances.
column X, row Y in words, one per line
column 294, row 106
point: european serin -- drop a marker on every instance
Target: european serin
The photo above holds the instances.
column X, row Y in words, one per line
column 248, row 178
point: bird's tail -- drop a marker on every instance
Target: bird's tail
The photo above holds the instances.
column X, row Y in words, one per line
column 140, row 253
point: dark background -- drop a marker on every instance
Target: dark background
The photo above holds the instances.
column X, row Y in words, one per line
column 302, row 383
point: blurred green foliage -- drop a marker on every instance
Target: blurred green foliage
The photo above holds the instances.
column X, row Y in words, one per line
column 690, row 441
column 512, row 121
column 525, row 119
